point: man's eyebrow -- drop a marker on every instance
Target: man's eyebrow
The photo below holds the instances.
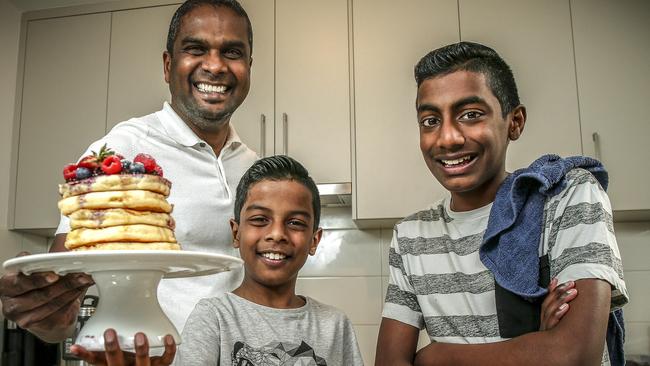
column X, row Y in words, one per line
column 189, row 40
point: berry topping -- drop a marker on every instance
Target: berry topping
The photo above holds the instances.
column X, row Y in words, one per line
column 147, row 160
column 111, row 165
column 83, row 173
column 89, row 162
column 158, row 171
column 137, row 168
column 126, row 165
column 70, row 172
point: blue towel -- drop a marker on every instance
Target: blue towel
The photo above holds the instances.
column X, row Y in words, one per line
column 510, row 246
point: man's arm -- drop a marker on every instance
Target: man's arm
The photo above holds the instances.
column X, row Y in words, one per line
column 44, row 303
column 396, row 343
column 579, row 339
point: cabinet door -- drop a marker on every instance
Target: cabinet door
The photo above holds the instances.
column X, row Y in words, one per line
column 391, row 179
column 534, row 38
column 136, row 79
column 63, row 108
column 253, row 120
column 312, row 88
column 612, row 48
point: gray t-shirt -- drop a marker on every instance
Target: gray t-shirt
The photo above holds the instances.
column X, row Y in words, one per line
column 229, row 330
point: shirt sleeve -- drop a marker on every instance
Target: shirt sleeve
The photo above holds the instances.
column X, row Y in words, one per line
column 401, row 303
column 581, row 241
column 201, row 337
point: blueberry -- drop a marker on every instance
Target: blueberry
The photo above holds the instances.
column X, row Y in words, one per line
column 83, row 173
column 126, row 165
column 137, row 168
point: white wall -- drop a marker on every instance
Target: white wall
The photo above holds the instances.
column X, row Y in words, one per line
column 10, row 243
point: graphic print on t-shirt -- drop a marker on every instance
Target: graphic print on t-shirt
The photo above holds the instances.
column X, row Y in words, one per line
column 276, row 354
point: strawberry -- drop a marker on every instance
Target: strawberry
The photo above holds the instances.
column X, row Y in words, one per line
column 147, row 160
column 94, row 161
column 158, row 170
column 111, row 165
column 70, row 172
column 90, row 162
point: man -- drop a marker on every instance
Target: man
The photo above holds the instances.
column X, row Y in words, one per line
column 468, row 111
column 207, row 66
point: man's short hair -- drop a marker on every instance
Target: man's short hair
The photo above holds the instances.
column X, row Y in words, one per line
column 189, row 5
column 277, row 168
column 474, row 57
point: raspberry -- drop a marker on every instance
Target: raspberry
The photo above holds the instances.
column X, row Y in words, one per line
column 70, row 172
column 158, row 170
column 111, row 165
column 147, row 160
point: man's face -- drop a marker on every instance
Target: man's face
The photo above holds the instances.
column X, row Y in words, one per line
column 275, row 233
column 463, row 136
column 209, row 71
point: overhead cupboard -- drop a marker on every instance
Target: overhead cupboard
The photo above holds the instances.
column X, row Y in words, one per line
column 332, row 85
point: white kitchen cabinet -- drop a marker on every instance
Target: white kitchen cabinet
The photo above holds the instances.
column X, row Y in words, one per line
column 63, row 108
column 299, row 102
column 612, row 51
column 254, row 119
column 534, row 38
column 391, row 179
column 136, row 79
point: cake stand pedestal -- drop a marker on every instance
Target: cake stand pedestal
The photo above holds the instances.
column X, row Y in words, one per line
column 127, row 282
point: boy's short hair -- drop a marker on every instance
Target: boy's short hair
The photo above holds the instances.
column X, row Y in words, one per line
column 277, row 167
column 474, row 57
column 189, row 5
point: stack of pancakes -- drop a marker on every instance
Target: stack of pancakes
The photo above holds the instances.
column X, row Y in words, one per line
column 121, row 211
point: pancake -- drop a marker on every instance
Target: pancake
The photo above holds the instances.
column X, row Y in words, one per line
column 116, row 182
column 130, row 246
column 134, row 199
column 125, row 233
column 95, row 219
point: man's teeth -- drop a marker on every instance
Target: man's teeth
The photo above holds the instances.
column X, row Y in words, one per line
column 274, row 256
column 207, row 88
column 456, row 161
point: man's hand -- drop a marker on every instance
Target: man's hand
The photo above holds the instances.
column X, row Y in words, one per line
column 45, row 304
column 556, row 303
column 114, row 356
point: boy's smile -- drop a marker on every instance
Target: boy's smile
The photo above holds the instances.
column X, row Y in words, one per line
column 464, row 137
column 275, row 233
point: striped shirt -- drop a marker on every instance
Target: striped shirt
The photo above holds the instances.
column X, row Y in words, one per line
column 438, row 282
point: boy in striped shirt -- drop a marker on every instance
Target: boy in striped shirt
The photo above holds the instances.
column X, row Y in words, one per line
column 468, row 111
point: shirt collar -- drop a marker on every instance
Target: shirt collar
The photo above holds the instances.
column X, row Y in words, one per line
column 179, row 131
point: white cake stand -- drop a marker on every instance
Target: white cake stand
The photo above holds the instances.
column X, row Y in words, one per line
column 127, row 282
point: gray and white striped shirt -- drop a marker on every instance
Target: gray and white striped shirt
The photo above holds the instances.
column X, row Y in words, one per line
column 438, row 282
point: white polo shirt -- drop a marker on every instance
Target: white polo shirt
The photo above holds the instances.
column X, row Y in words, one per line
column 203, row 194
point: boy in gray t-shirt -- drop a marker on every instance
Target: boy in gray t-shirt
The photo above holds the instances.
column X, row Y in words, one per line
column 263, row 321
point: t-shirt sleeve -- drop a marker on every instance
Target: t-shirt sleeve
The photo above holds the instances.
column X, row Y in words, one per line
column 201, row 337
column 581, row 241
column 401, row 303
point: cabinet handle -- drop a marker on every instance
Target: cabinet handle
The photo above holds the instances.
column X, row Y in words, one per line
column 262, row 135
column 596, row 139
column 285, row 133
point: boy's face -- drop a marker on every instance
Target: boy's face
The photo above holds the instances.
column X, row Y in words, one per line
column 463, row 136
column 276, row 232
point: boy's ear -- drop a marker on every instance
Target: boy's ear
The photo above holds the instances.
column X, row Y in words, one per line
column 318, row 234
column 517, row 122
column 234, row 227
